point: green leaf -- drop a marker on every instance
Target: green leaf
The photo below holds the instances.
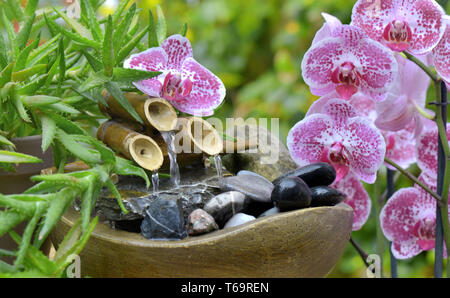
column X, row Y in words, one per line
column 5, row 141
column 22, row 207
column 132, row 75
column 93, row 61
column 48, row 132
column 87, row 204
column 108, row 50
column 73, row 36
column 161, row 26
column 3, row 52
column 14, row 157
column 184, row 30
column 112, row 188
column 33, row 86
column 115, row 91
column 9, row 30
column 5, row 74
column 18, row 104
column 117, row 14
column 61, row 107
column 75, row 25
column 97, row 79
column 62, row 65
column 52, row 73
column 9, row 220
column 39, row 100
column 125, row 51
column 107, row 155
column 31, row 7
column 122, row 29
column 152, row 36
column 76, row 149
column 43, row 51
column 56, row 209
column 20, row 76
column 24, row 33
column 14, row 5
column 127, row 168
column 92, row 20
column 66, row 125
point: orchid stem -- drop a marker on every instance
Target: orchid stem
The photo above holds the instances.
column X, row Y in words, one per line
column 360, row 251
column 414, row 179
column 442, row 219
column 390, row 191
column 422, row 65
column 380, row 237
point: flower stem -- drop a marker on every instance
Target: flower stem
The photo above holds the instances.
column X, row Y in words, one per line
column 414, row 179
column 442, row 219
column 422, row 65
column 378, row 206
column 390, row 192
column 360, row 251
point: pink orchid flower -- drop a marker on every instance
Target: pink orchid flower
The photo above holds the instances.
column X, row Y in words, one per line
column 409, row 220
column 415, row 26
column 441, row 54
column 357, row 198
column 343, row 58
column 400, row 145
column 427, row 150
column 190, row 87
column 340, row 137
column 406, row 96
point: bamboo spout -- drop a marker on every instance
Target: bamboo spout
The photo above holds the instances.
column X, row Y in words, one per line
column 141, row 148
column 199, row 134
column 157, row 113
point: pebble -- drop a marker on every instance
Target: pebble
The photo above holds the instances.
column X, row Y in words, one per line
column 222, row 207
column 164, row 220
column 200, row 222
column 274, row 210
column 239, row 219
column 314, row 175
column 253, row 186
column 291, row 193
column 326, row 196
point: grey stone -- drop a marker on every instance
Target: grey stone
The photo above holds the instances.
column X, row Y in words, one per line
column 222, row 207
column 239, row 219
column 272, row 211
column 164, row 221
column 200, row 222
column 271, row 159
column 253, row 186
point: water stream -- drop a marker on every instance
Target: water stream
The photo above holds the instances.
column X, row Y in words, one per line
column 169, row 138
column 218, row 164
column 155, row 181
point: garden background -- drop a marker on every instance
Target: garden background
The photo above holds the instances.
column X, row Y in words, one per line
column 256, row 47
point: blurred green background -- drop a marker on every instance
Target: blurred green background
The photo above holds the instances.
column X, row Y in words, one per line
column 256, row 48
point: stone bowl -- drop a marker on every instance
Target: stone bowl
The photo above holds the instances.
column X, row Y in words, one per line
column 301, row 243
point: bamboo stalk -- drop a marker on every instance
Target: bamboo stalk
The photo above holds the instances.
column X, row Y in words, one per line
column 157, row 113
column 132, row 145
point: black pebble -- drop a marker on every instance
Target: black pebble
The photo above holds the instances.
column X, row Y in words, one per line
column 316, row 174
column 291, row 193
column 164, row 220
column 326, row 196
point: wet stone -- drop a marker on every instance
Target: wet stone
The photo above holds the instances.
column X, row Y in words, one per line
column 164, row 221
column 272, row 211
column 225, row 205
column 326, row 196
column 314, row 175
column 291, row 193
column 253, row 186
column 200, row 222
column 239, row 219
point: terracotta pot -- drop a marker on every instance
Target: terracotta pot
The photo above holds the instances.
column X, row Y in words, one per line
column 19, row 181
column 302, row 243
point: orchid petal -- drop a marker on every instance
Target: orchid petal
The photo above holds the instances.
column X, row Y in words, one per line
column 308, row 139
column 153, row 59
column 207, row 91
column 365, row 147
column 403, row 152
column 178, row 48
column 441, row 54
column 427, row 150
column 357, row 198
column 331, row 23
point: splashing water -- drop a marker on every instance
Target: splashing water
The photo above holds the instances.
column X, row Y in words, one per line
column 155, row 182
column 169, row 138
column 218, row 164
